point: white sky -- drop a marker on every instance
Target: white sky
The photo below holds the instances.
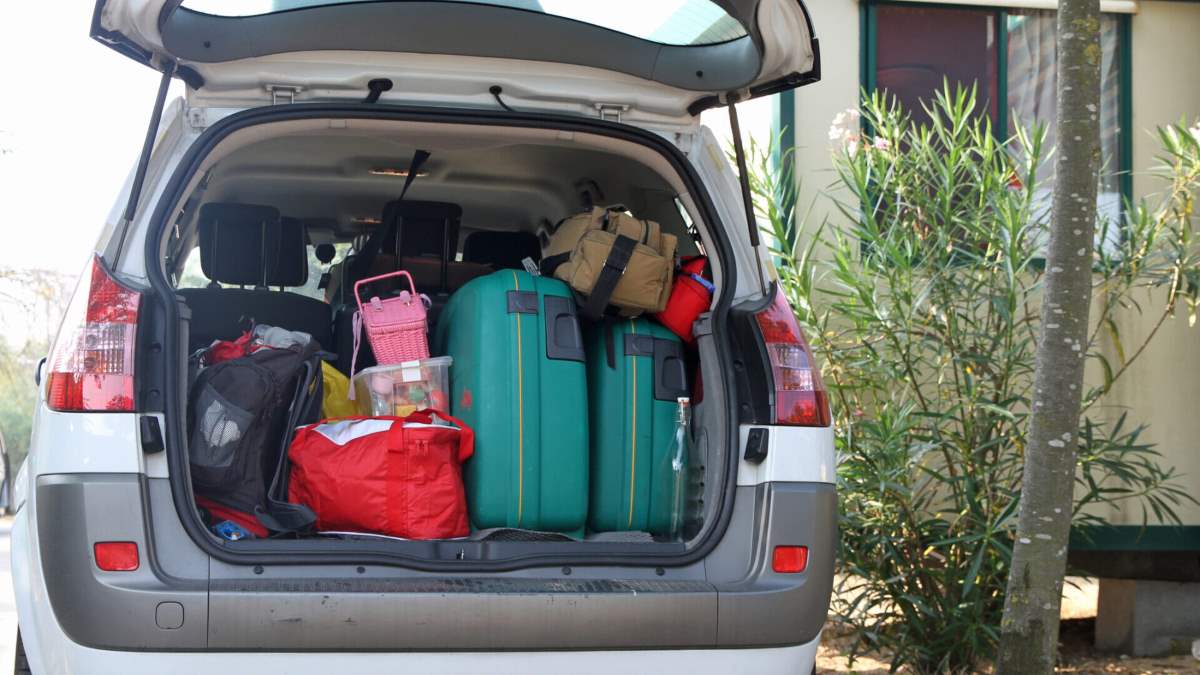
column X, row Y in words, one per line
column 72, row 117
column 73, row 114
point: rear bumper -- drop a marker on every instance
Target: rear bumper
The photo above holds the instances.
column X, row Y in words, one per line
column 732, row 599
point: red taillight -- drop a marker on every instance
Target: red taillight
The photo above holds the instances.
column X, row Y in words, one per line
column 91, row 365
column 800, row 397
column 789, row 559
column 116, row 556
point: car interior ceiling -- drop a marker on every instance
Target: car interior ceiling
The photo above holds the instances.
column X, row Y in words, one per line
column 260, row 211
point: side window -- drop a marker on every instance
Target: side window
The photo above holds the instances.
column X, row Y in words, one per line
column 317, row 269
column 192, row 275
column 917, row 47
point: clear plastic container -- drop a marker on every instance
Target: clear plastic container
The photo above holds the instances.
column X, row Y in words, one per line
column 401, row 388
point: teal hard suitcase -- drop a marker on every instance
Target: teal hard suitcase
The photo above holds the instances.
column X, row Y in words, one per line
column 636, row 373
column 519, row 381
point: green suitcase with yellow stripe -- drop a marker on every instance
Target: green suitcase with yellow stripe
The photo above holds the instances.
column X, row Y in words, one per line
column 636, row 373
column 519, row 381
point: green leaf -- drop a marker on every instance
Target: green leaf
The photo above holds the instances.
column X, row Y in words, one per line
column 1115, row 335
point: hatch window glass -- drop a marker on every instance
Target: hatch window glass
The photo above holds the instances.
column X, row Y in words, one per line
column 670, row 22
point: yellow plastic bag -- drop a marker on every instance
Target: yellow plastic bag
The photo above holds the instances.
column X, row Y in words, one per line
column 335, row 401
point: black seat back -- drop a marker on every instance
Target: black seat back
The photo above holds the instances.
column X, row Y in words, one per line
column 251, row 245
column 415, row 228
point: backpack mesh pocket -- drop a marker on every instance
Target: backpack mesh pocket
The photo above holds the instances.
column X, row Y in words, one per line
column 220, row 428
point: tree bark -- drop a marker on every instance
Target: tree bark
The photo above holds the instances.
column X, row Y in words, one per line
column 1029, row 629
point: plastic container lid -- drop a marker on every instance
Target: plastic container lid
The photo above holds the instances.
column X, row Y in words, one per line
column 414, row 374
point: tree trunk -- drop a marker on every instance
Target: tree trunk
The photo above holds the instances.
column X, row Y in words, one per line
column 1029, row 630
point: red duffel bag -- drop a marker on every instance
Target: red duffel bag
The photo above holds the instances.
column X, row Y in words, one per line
column 690, row 297
column 400, row 476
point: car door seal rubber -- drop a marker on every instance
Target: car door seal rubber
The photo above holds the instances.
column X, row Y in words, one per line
column 284, row 552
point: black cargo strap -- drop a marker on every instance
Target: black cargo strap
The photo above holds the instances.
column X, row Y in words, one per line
column 285, row 518
column 553, row 262
column 610, row 275
column 610, row 348
column 361, row 266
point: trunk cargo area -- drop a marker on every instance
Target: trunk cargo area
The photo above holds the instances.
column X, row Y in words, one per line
column 576, row 450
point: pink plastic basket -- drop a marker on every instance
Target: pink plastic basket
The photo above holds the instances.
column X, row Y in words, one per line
column 397, row 327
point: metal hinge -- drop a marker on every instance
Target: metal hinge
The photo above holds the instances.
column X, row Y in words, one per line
column 611, row 112
column 283, row 93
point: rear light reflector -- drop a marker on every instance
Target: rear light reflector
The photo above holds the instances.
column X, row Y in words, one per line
column 789, row 559
column 800, row 397
column 116, row 556
column 91, row 365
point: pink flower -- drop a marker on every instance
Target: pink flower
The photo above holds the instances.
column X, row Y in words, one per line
column 881, row 143
column 844, row 129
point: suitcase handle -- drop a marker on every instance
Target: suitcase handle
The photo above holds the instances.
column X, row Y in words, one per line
column 389, row 275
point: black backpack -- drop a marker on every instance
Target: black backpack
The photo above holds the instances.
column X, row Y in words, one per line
column 241, row 417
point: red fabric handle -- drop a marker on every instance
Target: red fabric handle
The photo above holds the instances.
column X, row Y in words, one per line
column 466, row 435
column 395, row 435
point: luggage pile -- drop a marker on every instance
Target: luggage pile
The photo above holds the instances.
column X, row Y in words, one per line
column 516, row 415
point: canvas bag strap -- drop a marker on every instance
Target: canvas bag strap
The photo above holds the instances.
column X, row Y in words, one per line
column 610, row 348
column 610, row 275
column 596, row 219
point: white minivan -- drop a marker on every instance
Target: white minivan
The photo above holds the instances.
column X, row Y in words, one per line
column 530, row 111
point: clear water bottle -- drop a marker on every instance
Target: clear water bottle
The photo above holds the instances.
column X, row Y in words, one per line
column 677, row 455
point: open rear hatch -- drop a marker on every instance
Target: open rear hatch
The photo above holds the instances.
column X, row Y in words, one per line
column 660, row 61
column 654, row 66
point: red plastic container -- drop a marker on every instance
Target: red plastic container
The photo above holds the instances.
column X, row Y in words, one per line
column 691, row 296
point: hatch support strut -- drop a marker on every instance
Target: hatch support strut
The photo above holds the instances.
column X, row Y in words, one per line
column 139, row 175
column 739, row 153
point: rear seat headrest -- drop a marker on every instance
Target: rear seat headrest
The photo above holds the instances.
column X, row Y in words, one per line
column 251, row 245
column 504, row 250
column 424, row 226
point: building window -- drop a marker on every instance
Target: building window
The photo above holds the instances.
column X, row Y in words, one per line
column 917, row 47
column 1009, row 54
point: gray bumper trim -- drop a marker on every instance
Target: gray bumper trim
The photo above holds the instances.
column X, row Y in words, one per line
column 736, row 603
column 768, row 609
column 110, row 610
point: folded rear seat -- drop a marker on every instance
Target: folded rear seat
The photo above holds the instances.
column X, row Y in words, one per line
column 250, row 245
